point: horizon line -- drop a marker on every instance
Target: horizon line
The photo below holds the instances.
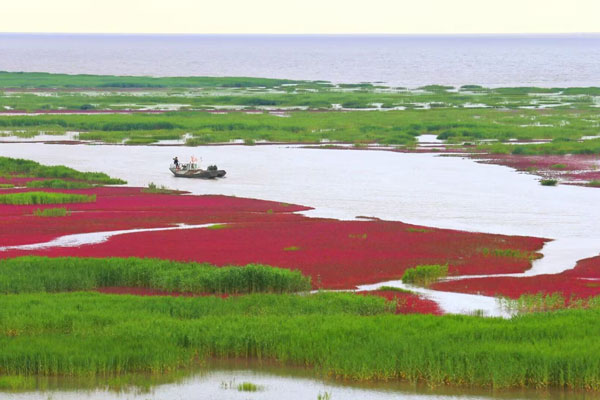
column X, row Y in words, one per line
column 307, row 34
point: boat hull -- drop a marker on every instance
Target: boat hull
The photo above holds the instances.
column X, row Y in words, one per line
column 198, row 173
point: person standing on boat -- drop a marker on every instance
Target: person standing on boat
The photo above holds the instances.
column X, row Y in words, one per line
column 176, row 162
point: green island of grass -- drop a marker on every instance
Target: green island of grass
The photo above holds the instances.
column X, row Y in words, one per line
column 28, row 198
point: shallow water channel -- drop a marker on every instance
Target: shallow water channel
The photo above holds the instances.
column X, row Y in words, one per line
column 427, row 189
column 220, row 380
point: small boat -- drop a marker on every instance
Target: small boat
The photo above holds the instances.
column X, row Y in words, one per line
column 191, row 170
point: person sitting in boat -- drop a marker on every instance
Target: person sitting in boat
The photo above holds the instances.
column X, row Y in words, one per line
column 176, row 162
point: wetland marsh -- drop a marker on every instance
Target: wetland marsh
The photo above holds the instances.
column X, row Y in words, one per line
column 367, row 203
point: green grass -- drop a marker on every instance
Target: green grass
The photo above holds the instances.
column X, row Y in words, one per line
column 548, row 182
column 28, row 198
column 594, row 183
column 154, row 188
column 6, row 185
column 58, row 184
column 424, row 275
column 47, row 80
column 248, row 387
column 565, row 126
column 558, row 166
column 418, row 230
column 543, row 302
column 40, row 274
column 16, row 382
column 511, row 253
column 27, row 168
column 337, row 334
column 52, row 212
column 218, row 226
column 291, row 248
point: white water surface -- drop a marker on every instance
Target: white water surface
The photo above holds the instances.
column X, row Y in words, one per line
column 80, row 239
column 426, row 189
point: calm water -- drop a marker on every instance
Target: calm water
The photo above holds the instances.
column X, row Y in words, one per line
column 275, row 382
column 410, row 61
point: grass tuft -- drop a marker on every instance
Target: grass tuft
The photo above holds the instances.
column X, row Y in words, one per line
column 247, row 387
column 424, row 275
column 52, row 212
column 549, row 182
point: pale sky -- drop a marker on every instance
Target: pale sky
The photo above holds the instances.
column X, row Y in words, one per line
column 301, row 17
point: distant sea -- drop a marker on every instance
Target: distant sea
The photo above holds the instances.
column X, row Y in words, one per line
column 407, row 61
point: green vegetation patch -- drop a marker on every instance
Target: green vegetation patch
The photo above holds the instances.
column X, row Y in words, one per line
column 548, row 182
column 51, row 212
column 510, row 253
column 16, row 383
column 48, row 80
column 27, row 168
column 58, row 184
column 419, row 230
column 544, row 302
column 248, row 387
column 424, row 275
column 40, row 274
column 28, row 198
column 6, row 185
column 338, row 334
column 154, row 188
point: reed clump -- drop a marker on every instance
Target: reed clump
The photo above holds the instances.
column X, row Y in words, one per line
column 248, row 387
column 543, row 302
column 424, row 275
column 29, row 198
column 42, row 274
column 155, row 189
column 510, row 253
column 58, row 184
column 548, row 182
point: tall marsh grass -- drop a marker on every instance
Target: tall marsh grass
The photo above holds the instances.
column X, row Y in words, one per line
column 543, row 302
column 58, row 184
column 424, row 275
column 42, row 274
column 29, row 198
column 338, row 334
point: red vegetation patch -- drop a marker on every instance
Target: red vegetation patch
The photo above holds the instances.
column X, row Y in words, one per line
column 572, row 167
column 336, row 254
column 587, row 268
column 408, row 303
column 119, row 208
column 581, row 282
